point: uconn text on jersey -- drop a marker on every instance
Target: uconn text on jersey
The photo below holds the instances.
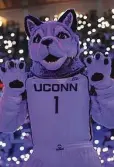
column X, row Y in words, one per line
column 55, row 87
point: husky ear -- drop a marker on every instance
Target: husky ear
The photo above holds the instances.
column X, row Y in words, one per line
column 69, row 18
column 30, row 23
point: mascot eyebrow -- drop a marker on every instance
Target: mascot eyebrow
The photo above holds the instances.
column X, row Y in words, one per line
column 62, row 28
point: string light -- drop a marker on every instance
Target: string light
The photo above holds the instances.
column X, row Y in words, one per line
column 84, row 44
column 47, row 19
column 112, row 37
column 79, row 22
column 108, row 49
column 82, row 26
column 22, row 137
column 21, row 51
column 14, row 42
column 88, row 39
column 78, row 28
column 98, row 40
column 96, row 141
column 90, row 52
column 112, row 27
column 31, row 151
column 21, row 59
column 85, row 52
column 80, row 42
column 85, row 17
column 99, row 151
column 103, row 26
column 22, row 156
column 101, row 19
column 18, row 162
column 3, row 144
column 23, row 134
column 112, row 138
column 9, row 51
column 9, row 44
column 85, row 47
column 1, row 60
column 102, row 161
column 84, row 22
column 80, row 15
column 94, row 30
column 113, row 11
column 89, row 32
column 1, row 36
column 9, row 159
column 27, row 38
column 93, row 40
column 21, row 148
column 5, row 41
column 98, row 127
column 106, row 53
column 55, row 17
column 14, row 158
column 89, row 24
column 105, row 149
column 99, row 25
column 6, row 47
column 12, row 34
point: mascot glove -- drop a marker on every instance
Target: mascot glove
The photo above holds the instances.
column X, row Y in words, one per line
column 13, row 76
column 99, row 70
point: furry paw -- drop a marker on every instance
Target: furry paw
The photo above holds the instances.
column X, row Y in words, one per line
column 98, row 68
column 13, row 76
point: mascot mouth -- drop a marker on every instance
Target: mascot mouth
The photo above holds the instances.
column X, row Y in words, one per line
column 51, row 58
column 52, row 62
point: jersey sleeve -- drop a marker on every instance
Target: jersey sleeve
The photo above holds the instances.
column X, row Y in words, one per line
column 102, row 106
column 13, row 112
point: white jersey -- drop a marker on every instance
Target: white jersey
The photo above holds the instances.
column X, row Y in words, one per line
column 59, row 110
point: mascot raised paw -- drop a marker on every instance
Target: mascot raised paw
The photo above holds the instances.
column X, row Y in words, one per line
column 63, row 93
column 99, row 70
column 13, row 76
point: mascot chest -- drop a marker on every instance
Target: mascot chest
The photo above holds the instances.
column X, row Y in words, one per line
column 51, row 96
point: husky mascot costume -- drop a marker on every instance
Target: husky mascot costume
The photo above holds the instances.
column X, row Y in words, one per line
column 63, row 93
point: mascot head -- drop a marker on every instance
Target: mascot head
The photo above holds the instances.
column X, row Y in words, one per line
column 53, row 45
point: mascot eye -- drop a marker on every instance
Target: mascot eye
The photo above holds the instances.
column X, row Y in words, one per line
column 62, row 35
column 37, row 39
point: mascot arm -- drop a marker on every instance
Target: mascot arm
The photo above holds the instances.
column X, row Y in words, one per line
column 13, row 105
column 101, row 89
column 102, row 106
column 13, row 112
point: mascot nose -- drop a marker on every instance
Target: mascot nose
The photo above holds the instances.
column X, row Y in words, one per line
column 47, row 42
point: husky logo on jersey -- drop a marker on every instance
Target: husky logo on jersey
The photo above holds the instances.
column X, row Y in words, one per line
column 55, row 87
column 54, row 45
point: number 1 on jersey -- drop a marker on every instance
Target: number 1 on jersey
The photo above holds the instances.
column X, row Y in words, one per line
column 56, row 104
